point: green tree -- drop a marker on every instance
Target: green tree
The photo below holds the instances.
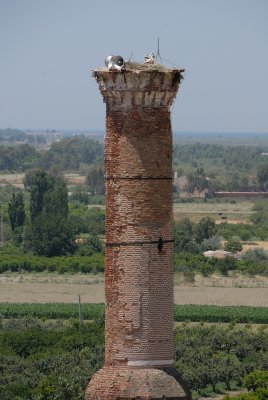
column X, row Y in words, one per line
column 79, row 195
column 262, row 174
column 50, row 235
column 56, row 199
column 256, row 379
column 197, row 180
column 183, row 237
column 50, row 232
column 205, row 229
column 70, row 152
column 233, row 245
column 89, row 245
column 41, row 183
column 257, row 384
column 16, row 211
column 95, row 180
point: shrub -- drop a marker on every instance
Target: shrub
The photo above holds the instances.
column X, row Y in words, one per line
column 256, row 254
column 233, row 245
column 256, row 379
column 213, row 243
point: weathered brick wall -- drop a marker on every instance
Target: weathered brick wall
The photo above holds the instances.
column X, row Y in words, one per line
column 138, row 275
column 139, row 231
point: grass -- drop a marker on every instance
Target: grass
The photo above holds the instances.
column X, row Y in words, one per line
column 187, row 312
column 237, row 212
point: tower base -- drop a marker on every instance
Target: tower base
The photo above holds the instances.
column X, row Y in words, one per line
column 125, row 383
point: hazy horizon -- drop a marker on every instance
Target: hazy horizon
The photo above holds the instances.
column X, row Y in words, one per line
column 48, row 50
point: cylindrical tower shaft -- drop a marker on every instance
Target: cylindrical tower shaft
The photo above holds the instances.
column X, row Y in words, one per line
column 139, row 241
column 139, row 236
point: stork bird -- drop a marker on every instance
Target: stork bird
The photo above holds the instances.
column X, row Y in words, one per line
column 149, row 58
column 115, row 62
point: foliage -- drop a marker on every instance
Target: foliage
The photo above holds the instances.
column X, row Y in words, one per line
column 247, row 396
column 17, row 262
column 95, row 179
column 71, row 152
column 213, row 243
column 211, row 313
column 256, row 379
column 183, row 237
column 16, row 135
column 210, row 355
column 256, row 254
column 17, row 157
column 244, row 231
column 53, row 362
column 16, row 210
column 51, row 310
column 187, row 312
column 50, row 236
column 262, row 174
column 197, row 263
column 197, row 181
column 189, row 236
column 257, row 382
column 37, row 363
column 89, row 245
column 205, row 229
column 50, row 233
column 56, row 200
column 41, row 183
column 79, row 195
column 233, row 245
column 242, row 158
column 87, row 219
column 67, row 154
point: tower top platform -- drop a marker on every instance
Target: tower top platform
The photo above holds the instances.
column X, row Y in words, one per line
column 139, row 84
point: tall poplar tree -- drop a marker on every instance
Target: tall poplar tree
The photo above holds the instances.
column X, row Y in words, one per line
column 50, row 232
column 16, row 211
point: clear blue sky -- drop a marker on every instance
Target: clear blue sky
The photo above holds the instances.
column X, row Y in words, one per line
column 49, row 47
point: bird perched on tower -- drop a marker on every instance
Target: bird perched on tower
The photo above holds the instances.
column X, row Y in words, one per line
column 149, row 58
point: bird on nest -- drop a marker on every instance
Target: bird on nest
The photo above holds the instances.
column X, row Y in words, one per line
column 149, row 58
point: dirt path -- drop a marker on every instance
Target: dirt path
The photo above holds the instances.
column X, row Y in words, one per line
column 92, row 292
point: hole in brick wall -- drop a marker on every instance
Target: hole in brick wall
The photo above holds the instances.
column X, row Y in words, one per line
column 160, row 245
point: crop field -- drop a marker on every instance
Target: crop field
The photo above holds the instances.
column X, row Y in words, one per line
column 189, row 312
column 65, row 288
column 235, row 213
column 17, row 179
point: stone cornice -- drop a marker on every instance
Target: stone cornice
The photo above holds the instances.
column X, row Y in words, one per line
column 138, row 88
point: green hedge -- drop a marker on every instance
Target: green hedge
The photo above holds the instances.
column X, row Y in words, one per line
column 30, row 263
column 188, row 312
column 51, row 310
column 191, row 264
column 210, row 313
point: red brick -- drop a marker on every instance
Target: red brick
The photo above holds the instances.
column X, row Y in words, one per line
column 139, row 237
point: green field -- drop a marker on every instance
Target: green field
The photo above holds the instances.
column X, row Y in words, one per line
column 240, row 211
column 202, row 313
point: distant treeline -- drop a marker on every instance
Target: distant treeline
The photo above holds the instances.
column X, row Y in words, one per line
column 71, row 152
column 244, row 158
column 68, row 154
column 16, row 135
column 212, row 167
column 14, row 158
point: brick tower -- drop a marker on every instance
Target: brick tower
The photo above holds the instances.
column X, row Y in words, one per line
column 139, row 350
